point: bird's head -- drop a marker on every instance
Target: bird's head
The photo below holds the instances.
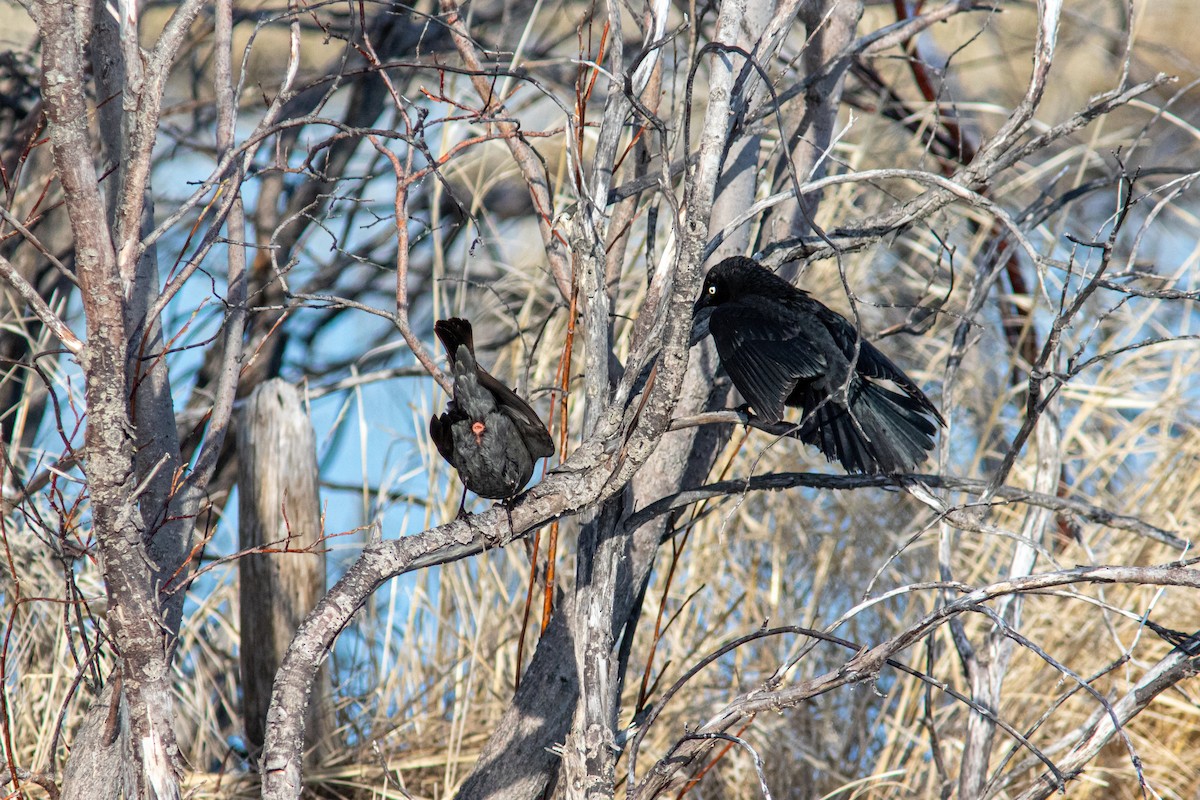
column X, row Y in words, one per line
column 733, row 278
column 712, row 293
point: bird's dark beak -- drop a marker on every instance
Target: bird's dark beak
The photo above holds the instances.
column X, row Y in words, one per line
column 700, row 317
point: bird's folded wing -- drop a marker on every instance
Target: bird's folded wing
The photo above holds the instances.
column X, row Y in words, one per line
column 439, row 432
column 766, row 353
column 532, row 429
column 874, row 364
column 871, row 362
column 529, row 424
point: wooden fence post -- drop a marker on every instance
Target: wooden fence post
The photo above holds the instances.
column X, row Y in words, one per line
column 279, row 512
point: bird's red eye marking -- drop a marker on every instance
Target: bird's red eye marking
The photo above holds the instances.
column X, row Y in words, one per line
column 478, row 428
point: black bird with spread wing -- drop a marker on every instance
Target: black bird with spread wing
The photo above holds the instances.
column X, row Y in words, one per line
column 488, row 433
column 783, row 348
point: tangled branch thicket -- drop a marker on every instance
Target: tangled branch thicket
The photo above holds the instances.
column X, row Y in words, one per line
column 1001, row 196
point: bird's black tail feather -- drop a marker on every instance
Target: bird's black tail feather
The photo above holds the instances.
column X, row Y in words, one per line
column 454, row 332
column 889, row 431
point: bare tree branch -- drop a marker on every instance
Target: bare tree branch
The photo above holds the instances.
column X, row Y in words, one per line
column 865, row 666
column 38, row 305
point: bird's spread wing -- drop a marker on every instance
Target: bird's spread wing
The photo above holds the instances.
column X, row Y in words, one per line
column 528, row 423
column 766, row 349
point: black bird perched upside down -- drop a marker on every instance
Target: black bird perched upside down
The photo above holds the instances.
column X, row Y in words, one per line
column 782, row 347
column 488, row 433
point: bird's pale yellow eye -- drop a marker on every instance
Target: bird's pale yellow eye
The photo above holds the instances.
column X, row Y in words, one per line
column 712, row 290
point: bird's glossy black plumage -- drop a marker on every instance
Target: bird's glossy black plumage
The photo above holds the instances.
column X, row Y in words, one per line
column 783, row 348
column 488, row 433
